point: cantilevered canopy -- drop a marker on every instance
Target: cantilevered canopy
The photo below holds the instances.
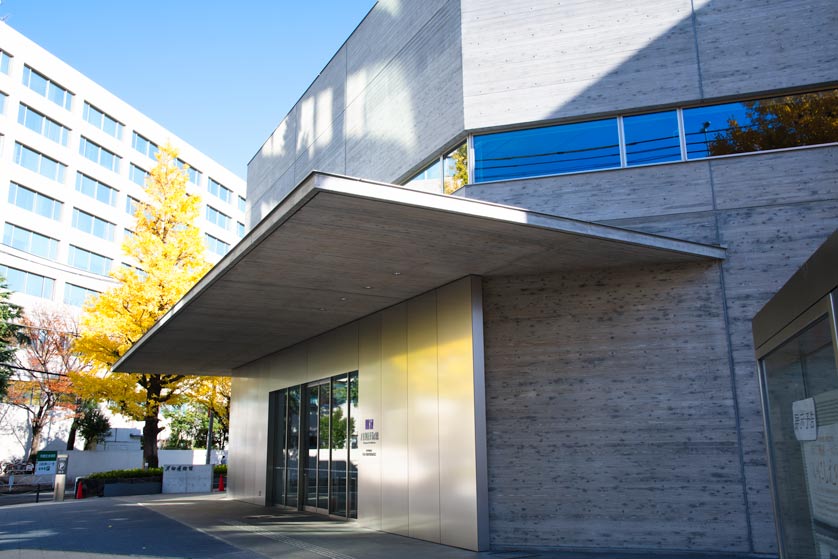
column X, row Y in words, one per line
column 337, row 249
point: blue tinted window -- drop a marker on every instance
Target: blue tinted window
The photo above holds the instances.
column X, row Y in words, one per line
column 76, row 295
column 218, row 218
column 90, row 261
column 429, row 179
column 89, row 223
column 240, row 229
column 102, row 121
column 567, row 148
column 27, row 282
column 5, row 61
column 242, row 204
column 39, row 163
column 144, row 145
column 137, row 175
column 652, row 138
column 42, row 85
column 703, row 125
column 36, row 202
column 219, row 190
column 95, row 189
column 29, row 241
column 216, row 245
column 100, row 155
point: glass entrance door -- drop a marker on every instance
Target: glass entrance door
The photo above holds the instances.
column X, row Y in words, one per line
column 314, row 439
column 799, row 375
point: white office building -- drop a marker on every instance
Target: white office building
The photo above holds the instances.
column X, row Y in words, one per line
column 73, row 160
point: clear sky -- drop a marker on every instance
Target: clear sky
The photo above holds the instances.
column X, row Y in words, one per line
column 220, row 75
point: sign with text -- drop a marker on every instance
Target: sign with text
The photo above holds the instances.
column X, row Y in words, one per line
column 805, row 420
column 45, row 462
column 369, row 438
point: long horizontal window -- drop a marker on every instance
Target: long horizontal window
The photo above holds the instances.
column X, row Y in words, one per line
column 144, row 145
column 39, row 163
column 95, row 189
column 42, row 85
column 219, row 190
column 35, row 202
column 100, row 155
column 29, row 241
column 76, row 295
column 27, row 282
column 96, row 226
column 103, row 121
column 42, row 124
column 216, row 245
column 218, row 218
column 90, row 261
column 665, row 136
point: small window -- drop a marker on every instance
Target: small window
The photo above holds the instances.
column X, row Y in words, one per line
column 29, row 241
column 35, row 202
column 103, row 121
column 95, row 189
column 76, row 296
column 28, row 282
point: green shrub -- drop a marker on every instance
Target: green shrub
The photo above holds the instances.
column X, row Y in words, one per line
column 220, row 469
column 127, row 474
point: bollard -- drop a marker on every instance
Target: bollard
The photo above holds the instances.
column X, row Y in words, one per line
column 79, row 490
column 221, row 482
column 38, row 493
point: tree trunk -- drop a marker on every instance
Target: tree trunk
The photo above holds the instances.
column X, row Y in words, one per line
column 71, row 436
column 150, row 432
column 37, row 426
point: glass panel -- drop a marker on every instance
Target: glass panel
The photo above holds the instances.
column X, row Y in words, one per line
column 313, row 406
column 354, row 451
column 429, row 180
column 802, row 368
column 652, row 138
column 278, row 434
column 293, row 455
column 455, row 166
column 323, row 452
column 567, row 148
column 340, row 410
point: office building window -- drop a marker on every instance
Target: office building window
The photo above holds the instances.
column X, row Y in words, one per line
column 76, row 295
column 131, row 205
column 96, row 226
column 242, row 204
column 95, row 189
column 194, row 175
column 137, row 175
column 35, row 202
column 220, row 219
column 100, row 155
column 240, row 229
column 22, row 281
column 89, row 261
column 42, row 124
column 216, row 245
column 428, row 179
column 5, row 62
column 39, row 163
column 3, row 98
column 144, row 145
column 102, row 121
column 29, row 241
column 652, row 138
column 42, row 85
column 219, row 190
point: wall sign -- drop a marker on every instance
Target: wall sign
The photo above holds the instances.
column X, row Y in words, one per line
column 805, row 420
column 45, row 464
column 369, row 438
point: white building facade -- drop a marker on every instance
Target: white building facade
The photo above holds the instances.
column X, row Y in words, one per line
column 73, row 160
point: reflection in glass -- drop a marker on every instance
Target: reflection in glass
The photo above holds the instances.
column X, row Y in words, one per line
column 312, row 402
column 293, row 456
column 702, row 125
column 804, row 367
column 340, row 450
column 455, row 167
column 428, row 180
column 652, row 138
column 354, row 451
column 278, row 433
column 566, row 148
column 323, row 449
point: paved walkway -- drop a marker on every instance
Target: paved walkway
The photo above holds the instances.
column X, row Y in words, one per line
column 207, row 526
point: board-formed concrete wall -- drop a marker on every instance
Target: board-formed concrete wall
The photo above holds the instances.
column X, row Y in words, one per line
column 533, row 60
column 771, row 211
column 382, row 105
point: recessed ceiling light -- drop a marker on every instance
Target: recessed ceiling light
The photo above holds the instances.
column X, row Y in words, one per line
column 367, row 287
column 321, row 309
column 397, row 273
column 343, row 298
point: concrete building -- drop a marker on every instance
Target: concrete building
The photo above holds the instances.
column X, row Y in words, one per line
column 73, row 160
column 559, row 354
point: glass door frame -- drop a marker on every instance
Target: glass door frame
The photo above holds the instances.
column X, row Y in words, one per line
column 825, row 307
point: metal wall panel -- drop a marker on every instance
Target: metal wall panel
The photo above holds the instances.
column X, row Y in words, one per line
column 333, row 353
column 237, row 456
column 458, row 485
column 393, row 428
column 423, row 418
column 369, row 390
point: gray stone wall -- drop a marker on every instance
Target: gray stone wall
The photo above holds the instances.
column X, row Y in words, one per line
column 600, row 340
column 383, row 105
column 533, row 60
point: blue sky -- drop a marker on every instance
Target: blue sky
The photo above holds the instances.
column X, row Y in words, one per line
column 220, row 75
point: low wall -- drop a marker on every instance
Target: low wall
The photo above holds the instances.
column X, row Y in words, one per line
column 85, row 462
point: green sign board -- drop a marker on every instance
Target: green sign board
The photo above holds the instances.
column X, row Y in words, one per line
column 47, row 456
column 45, row 464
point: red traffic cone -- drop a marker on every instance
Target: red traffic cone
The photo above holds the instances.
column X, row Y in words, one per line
column 79, row 491
column 221, row 482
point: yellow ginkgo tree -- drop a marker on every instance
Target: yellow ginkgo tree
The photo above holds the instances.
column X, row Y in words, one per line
column 167, row 250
